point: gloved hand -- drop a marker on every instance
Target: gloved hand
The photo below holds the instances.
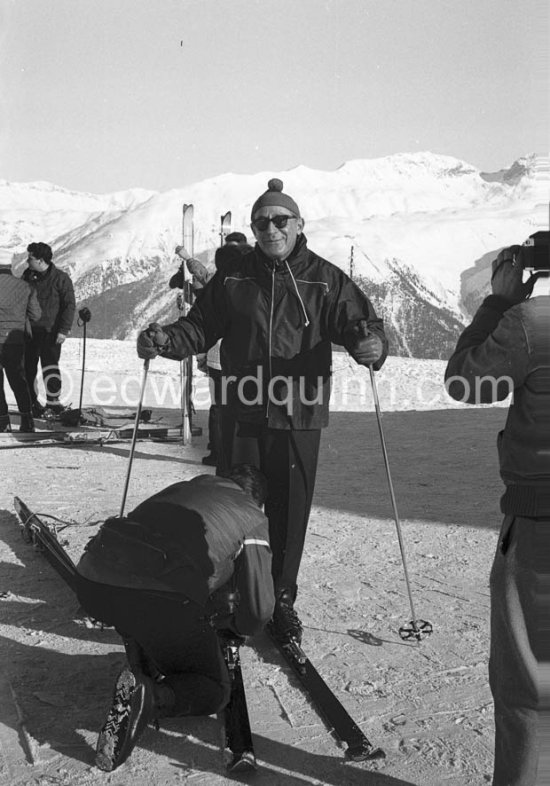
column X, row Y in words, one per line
column 182, row 253
column 365, row 347
column 61, row 337
column 199, row 272
column 151, row 341
column 507, row 276
column 201, row 363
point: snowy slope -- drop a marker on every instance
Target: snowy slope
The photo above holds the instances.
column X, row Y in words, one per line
column 417, row 224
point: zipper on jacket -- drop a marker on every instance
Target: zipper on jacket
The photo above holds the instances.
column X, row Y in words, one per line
column 306, row 318
column 270, row 333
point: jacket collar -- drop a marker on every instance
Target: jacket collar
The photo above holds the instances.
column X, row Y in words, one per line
column 34, row 275
column 295, row 257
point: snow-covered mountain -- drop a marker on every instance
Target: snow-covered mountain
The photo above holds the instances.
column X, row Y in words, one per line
column 423, row 227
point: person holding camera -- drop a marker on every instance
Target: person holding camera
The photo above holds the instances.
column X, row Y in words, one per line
column 506, row 350
column 277, row 309
column 57, row 301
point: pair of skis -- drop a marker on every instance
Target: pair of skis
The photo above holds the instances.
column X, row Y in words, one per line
column 184, row 302
column 238, row 734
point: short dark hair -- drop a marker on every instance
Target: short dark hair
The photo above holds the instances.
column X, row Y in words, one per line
column 41, row 251
column 235, row 237
column 230, row 253
column 251, row 480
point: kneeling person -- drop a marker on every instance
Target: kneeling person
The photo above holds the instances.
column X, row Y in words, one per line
column 188, row 562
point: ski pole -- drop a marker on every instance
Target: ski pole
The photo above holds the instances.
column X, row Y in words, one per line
column 84, row 316
column 416, row 628
column 134, row 436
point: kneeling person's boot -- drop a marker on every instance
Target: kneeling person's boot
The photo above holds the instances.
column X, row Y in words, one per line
column 137, row 701
column 27, row 423
column 285, row 621
column 5, row 423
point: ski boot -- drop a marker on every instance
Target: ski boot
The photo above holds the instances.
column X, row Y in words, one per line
column 38, row 410
column 5, row 423
column 27, row 423
column 285, row 622
column 138, row 701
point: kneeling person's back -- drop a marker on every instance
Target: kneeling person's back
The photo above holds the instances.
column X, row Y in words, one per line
column 205, row 539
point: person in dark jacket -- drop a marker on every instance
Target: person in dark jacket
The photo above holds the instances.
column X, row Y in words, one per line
column 19, row 307
column 191, row 562
column 57, row 301
column 506, row 349
column 277, row 310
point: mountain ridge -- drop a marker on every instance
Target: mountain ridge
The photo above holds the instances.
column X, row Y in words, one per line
column 416, row 221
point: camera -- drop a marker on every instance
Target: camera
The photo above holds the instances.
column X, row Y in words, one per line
column 534, row 254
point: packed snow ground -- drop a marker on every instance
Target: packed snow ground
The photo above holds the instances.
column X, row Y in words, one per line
column 428, row 706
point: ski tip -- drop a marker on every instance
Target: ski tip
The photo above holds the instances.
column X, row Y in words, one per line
column 364, row 752
column 242, row 763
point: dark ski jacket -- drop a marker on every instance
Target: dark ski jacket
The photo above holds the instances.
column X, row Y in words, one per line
column 203, row 538
column 511, row 344
column 18, row 306
column 56, row 297
column 277, row 321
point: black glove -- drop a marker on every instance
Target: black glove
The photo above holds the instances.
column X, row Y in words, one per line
column 365, row 347
column 151, row 342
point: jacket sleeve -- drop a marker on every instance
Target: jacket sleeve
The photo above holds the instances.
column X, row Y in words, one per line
column 254, row 584
column 492, row 355
column 34, row 312
column 350, row 305
column 203, row 326
column 67, row 306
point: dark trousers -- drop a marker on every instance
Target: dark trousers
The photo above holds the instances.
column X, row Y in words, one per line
column 12, row 361
column 215, row 412
column 288, row 459
column 519, row 664
column 42, row 347
column 175, row 638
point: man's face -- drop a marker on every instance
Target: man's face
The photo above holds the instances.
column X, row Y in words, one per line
column 277, row 243
column 33, row 262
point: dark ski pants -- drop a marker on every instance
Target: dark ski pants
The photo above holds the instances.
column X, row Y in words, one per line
column 215, row 412
column 288, row 459
column 175, row 638
column 519, row 664
column 42, row 347
column 12, row 361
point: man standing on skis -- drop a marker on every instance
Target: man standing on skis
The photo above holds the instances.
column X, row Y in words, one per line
column 190, row 563
column 277, row 310
column 506, row 350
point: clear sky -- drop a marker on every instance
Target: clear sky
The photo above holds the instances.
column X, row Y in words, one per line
column 102, row 95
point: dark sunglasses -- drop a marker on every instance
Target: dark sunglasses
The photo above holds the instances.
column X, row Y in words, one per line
column 262, row 223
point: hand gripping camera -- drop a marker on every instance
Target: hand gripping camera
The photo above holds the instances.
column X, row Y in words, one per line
column 534, row 254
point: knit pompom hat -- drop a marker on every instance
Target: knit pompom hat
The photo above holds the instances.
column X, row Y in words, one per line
column 274, row 196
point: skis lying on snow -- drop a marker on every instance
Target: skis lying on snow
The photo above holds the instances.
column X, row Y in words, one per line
column 43, row 539
column 21, row 439
column 329, row 707
column 237, row 733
